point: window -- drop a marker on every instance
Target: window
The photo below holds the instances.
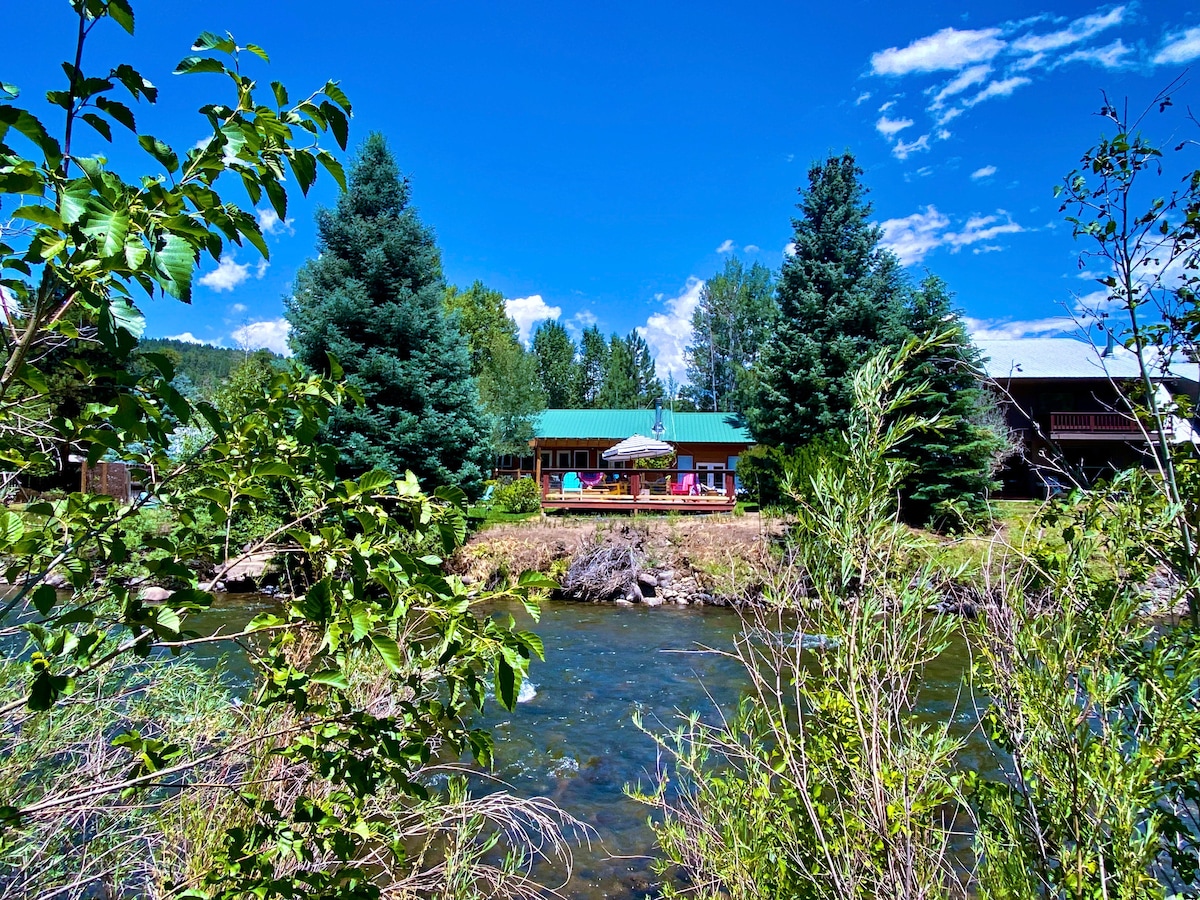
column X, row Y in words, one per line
column 564, row 459
column 581, row 459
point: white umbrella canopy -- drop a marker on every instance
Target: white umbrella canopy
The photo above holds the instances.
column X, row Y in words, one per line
column 637, row 447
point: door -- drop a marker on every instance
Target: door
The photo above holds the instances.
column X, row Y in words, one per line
column 712, row 474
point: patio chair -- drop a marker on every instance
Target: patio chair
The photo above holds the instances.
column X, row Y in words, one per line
column 686, row 485
column 571, row 483
column 594, row 480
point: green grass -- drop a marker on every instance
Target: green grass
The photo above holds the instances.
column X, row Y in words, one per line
column 482, row 517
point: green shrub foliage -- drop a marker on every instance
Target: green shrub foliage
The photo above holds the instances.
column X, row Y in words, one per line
column 519, row 496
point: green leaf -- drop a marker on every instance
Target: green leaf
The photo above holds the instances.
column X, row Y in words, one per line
column 333, row 678
column 280, row 92
column 161, row 151
column 304, row 167
column 258, row 51
column 533, row 642
column 12, row 527
column 389, row 652
column 43, row 215
column 209, row 41
column 121, row 13
column 508, row 684
column 134, row 82
column 374, row 480
column 192, row 65
column 99, row 125
column 32, row 128
column 127, row 317
column 174, row 263
column 118, row 111
column 44, row 599
column 73, row 200
column 532, row 579
column 335, row 93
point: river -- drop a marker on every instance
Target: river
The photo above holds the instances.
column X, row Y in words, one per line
column 572, row 737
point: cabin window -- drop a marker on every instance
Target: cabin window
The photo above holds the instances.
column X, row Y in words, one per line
column 581, row 459
column 564, row 459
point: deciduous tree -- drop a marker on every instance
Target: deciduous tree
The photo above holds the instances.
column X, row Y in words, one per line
column 555, row 354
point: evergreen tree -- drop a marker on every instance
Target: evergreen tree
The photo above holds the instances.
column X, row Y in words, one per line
column 952, row 465
column 555, row 354
column 482, row 316
column 373, row 298
column 645, row 374
column 840, row 299
column 630, row 380
column 733, row 320
column 589, row 373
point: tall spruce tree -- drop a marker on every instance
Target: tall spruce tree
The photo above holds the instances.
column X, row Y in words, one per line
column 589, row 373
column 952, row 465
column 630, row 380
column 373, row 298
column 840, row 299
column 555, row 354
column 733, row 320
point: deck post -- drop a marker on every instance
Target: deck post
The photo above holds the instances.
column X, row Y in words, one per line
column 635, row 485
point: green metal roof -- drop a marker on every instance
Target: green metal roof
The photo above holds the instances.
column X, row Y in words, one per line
column 618, row 424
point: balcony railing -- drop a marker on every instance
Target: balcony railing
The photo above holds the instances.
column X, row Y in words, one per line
column 1093, row 423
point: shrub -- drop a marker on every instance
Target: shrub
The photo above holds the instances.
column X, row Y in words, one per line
column 520, row 496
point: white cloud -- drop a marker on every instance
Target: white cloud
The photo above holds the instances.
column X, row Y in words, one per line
column 726, row 247
column 902, row 150
column 580, row 322
column 949, row 115
column 271, row 334
column 1110, row 57
column 1000, row 329
column 1029, row 62
column 187, row 337
column 1180, row 47
column 943, row 134
column 948, row 49
column 987, row 248
column 751, row 248
column 965, row 79
column 668, row 333
column 789, row 248
column 862, row 98
column 270, row 223
column 227, row 275
column 1079, row 30
column 984, row 172
column 887, row 106
column 528, row 311
column 999, row 89
column 888, row 127
column 913, row 237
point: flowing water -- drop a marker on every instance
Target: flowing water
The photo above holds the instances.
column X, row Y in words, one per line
column 572, row 737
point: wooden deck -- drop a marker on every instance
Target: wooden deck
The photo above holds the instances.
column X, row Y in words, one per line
column 640, row 491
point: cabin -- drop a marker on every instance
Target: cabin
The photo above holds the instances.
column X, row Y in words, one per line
column 701, row 478
column 1062, row 400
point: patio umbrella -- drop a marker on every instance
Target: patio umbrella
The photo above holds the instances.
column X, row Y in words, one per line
column 637, row 447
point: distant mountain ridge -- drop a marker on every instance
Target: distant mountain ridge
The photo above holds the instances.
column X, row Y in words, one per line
column 204, row 365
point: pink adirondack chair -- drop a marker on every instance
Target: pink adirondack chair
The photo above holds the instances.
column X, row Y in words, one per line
column 685, row 485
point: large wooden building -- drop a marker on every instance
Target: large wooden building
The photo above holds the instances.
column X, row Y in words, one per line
column 1062, row 399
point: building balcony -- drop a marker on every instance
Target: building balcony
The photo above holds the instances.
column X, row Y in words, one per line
column 1102, row 426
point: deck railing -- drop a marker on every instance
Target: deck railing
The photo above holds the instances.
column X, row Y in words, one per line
column 640, row 488
column 1092, row 423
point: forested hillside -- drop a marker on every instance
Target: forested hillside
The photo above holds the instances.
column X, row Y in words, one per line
column 204, row 365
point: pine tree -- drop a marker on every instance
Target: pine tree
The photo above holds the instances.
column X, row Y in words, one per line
column 589, row 373
column 555, row 354
column 840, row 299
column 630, row 380
column 733, row 320
column 373, row 298
column 953, row 463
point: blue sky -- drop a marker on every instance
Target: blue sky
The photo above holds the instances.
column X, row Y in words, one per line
column 596, row 162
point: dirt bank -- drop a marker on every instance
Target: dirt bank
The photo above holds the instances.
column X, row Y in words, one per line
column 711, row 559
